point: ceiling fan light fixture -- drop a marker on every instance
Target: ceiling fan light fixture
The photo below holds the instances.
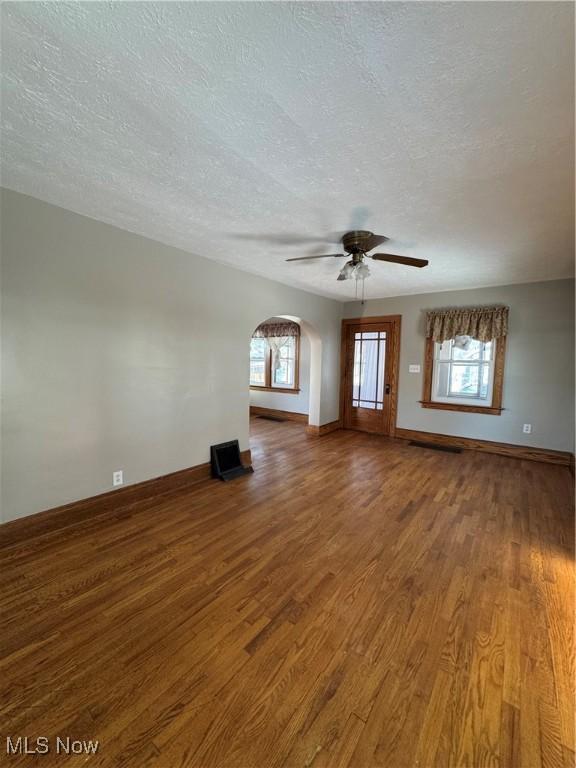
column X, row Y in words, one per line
column 362, row 271
column 347, row 271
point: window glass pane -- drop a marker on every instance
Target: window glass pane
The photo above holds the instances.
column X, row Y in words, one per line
column 381, row 369
column 443, row 379
column 284, row 363
column 485, row 382
column 356, row 371
column 370, row 335
column 367, row 404
column 369, row 371
column 284, row 374
column 288, row 349
column 488, row 350
column 465, row 380
column 257, row 377
column 258, row 349
column 466, row 348
column 444, row 350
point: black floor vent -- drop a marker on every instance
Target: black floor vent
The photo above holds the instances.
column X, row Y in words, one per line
column 436, row 447
column 271, row 418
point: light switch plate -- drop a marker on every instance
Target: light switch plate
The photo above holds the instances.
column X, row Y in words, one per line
column 414, row 369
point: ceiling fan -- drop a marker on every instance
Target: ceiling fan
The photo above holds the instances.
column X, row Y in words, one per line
column 357, row 244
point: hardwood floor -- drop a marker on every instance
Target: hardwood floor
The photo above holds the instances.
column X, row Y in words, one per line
column 355, row 602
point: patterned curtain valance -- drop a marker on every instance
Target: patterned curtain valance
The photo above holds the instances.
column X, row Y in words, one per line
column 273, row 329
column 482, row 323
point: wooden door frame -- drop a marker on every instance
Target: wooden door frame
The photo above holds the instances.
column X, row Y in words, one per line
column 394, row 357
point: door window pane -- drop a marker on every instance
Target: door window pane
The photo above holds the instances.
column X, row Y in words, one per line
column 381, row 368
column 357, row 368
column 368, row 370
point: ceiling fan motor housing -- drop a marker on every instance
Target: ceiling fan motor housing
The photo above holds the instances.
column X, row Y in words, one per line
column 356, row 242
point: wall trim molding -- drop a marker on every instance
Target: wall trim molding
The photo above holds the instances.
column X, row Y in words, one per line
column 301, row 418
column 324, row 429
column 111, row 501
column 487, row 446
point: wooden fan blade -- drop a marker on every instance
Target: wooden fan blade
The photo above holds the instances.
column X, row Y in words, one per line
column 408, row 260
column 375, row 240
column 322, row 256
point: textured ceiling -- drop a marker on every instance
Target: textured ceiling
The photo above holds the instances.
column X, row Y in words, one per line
column 233, row 129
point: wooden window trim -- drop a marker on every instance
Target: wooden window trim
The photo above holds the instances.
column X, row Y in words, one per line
column 494, row 409
column 267, row 387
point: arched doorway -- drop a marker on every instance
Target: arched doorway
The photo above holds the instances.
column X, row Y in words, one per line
column 278, row 381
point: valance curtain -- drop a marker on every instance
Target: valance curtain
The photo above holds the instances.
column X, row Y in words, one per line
column 277, row 335
column 482, row 323
column 274, row 329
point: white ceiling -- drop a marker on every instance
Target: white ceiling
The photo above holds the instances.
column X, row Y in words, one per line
column 215, row 126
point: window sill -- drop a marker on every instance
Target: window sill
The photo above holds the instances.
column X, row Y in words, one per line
column 485, row 410
column 275, row 389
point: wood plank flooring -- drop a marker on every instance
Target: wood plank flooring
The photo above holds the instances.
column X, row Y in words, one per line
column 356, row 602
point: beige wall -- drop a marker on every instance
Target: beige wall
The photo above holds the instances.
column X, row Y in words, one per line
column 122, row 353
column 539, row 372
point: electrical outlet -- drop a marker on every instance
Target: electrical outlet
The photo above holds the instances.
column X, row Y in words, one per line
column 117, row 478
column 413, row 369
column 527, row 429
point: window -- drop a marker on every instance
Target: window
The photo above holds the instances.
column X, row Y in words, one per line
column 463, row 371
column 258, row 361
column 284, row 372
column 464, row 374
column 274, row 359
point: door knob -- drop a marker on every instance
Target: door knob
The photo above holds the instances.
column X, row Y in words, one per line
column 387, row 389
